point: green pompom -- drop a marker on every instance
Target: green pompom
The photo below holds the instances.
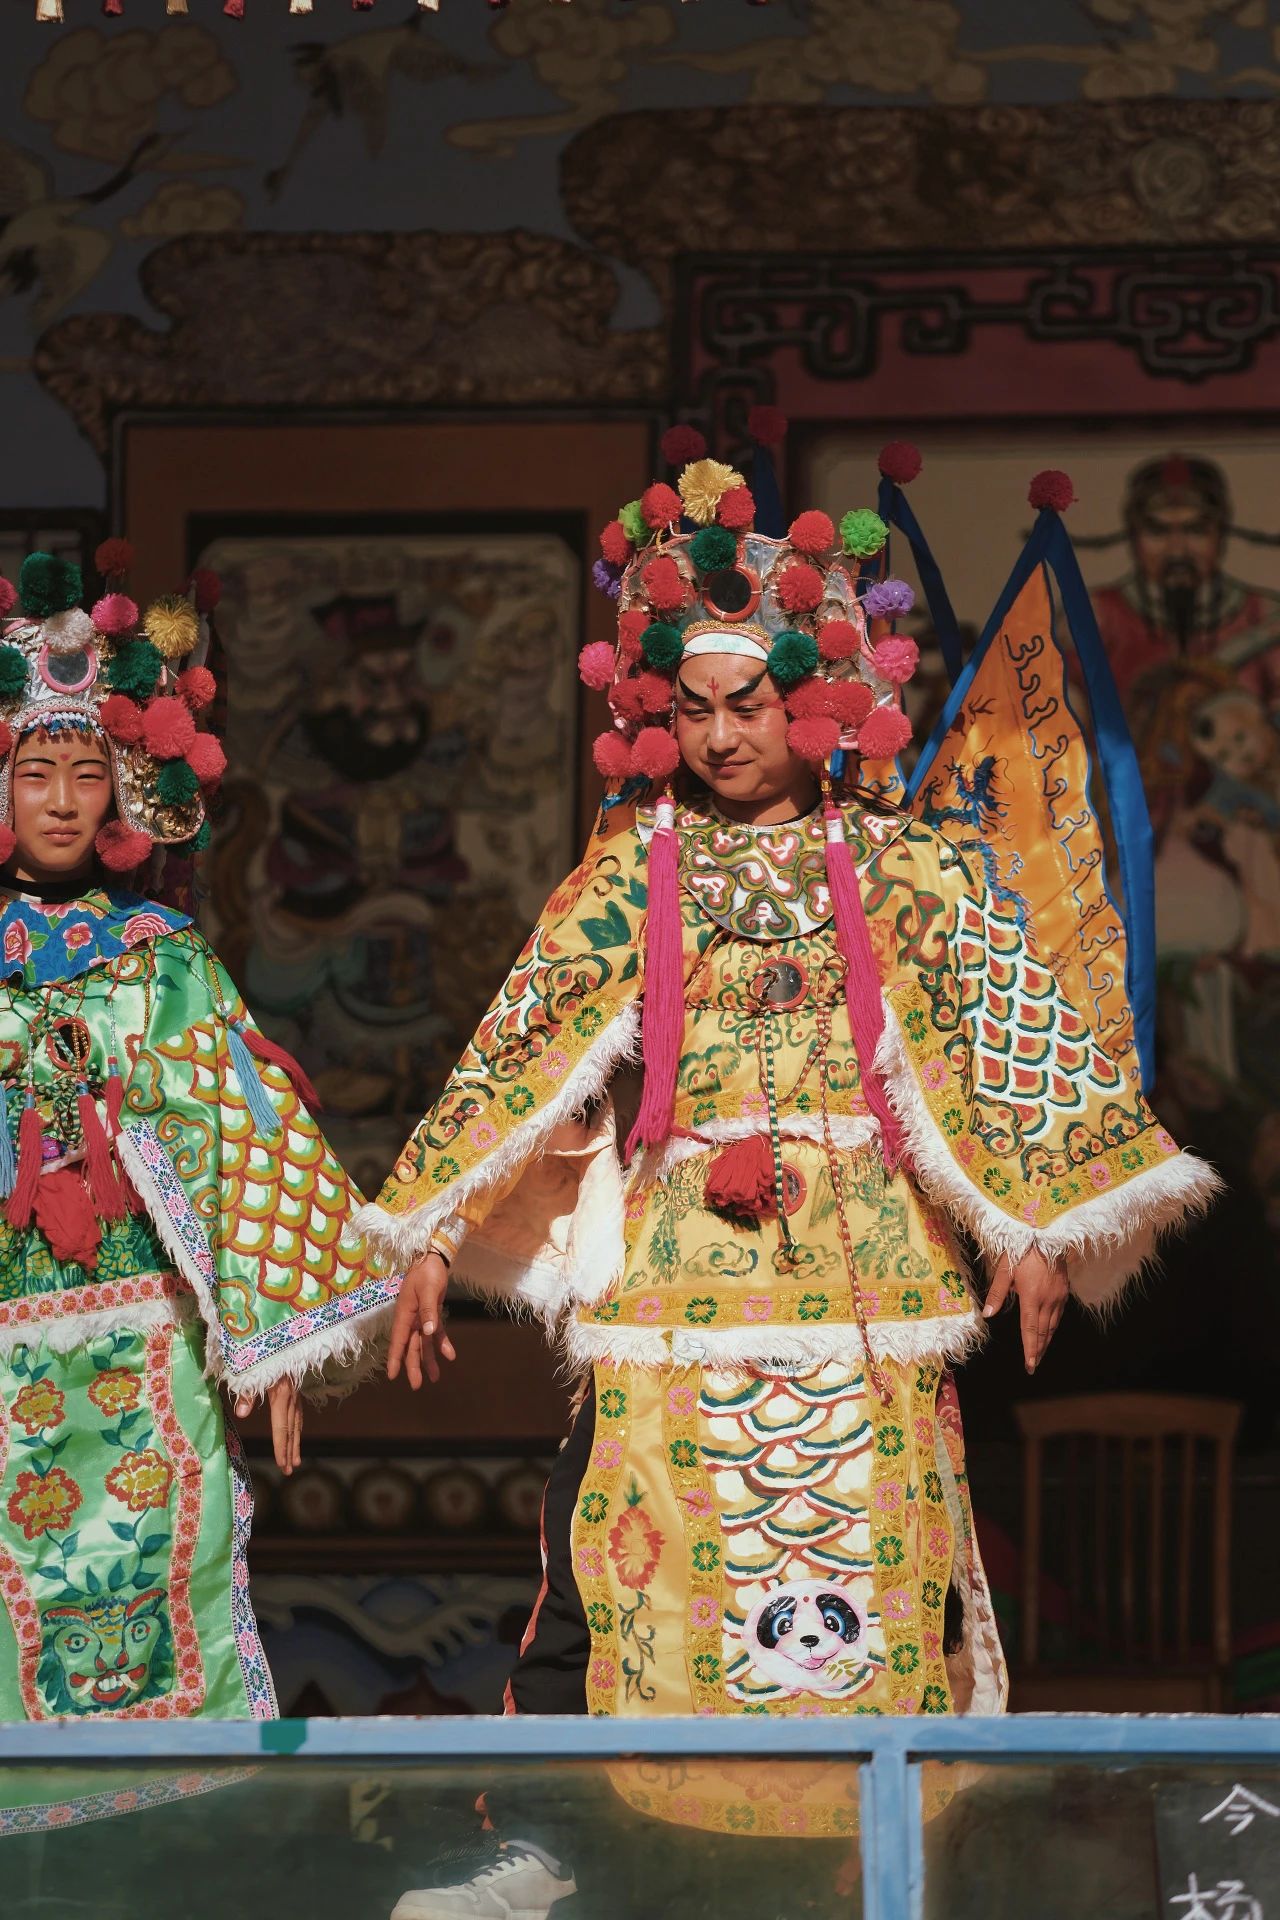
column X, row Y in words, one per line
column 203, row 836
column 176, row 783
column 792, row 657
column 49, row 584
column 634, row 524
column 662, row 647
column 713, row 548
column 863, row 532
column 135, row 669
column 13, row 673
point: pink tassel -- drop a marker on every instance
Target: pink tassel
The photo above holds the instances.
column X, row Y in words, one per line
column 22, row 1200
column 662, row 1028
column 100, row 1175
column 861, row 981
column 279, row 1056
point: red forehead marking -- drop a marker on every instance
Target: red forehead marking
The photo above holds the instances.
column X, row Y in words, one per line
column 714, row 685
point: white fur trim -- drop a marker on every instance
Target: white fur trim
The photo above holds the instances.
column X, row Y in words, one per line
column 72, row 1328
column 406, row 1235
column 1106, row 1240
column 847, row 1130
column 770, row 1348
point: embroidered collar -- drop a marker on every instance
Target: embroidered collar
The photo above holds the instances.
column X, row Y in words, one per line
column 42, row 943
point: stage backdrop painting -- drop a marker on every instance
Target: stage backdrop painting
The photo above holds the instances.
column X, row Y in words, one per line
column 401, row 725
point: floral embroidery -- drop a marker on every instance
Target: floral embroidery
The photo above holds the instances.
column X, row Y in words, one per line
column 116, row 1390
column 912, row 1302
column 896, row 1604
column 520, row 1100
column 635, row 1547
column 706, row 1668
column 17, row 943
column 813, row 1306
column 1100, row 1174
column 905, row 1657
column 39, row 1404
column 600, row 1617
column 757, row 1306
column 44, row 1503
column 706, row 1555
column 683, row 1453
column 649, row 1308
column 931, row 1593
column 608, row 1454
column 935, row 1073
column 698, row 1503
column 555, row 1063
column 603, row 1673
column 933, row 1700
column 705, row 1612
column 613, row 1403
column 701, row 1311
column 141, row 1480
column 996, row 1182
column 483, row 1134
column 890, row 1551
column 78, row 934
column 953, row 1121
column 915, row 1024
column 588, row 1022
column 590, row 1560
column 680, row 1400
column 889, row 1442
column 445, row 1170
column 593, row 1507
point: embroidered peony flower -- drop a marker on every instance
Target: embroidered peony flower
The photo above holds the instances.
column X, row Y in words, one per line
column 1165, row 1140
column 482, row 1134
column 757, row 1306
column 555, row 1063
column 705, row 1612
column 141, row 1480
column 888, row 1496
column 1100, row 1174
column 603, row 1673
column 77, row 935
column 44, row 1503
column 17, row 944
column 698, row 1502
column 39, row 1404
column 939, row 1542
column 608, row 1455
column 680, row 1400
column 649, row 1309
column 116, row 1391
column 141, row 927
column 753, row 1105
column 635, row 1547
column 934, row 1073
column 590, row 1562
column 896, row 1604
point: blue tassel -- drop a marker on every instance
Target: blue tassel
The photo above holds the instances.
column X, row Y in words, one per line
column 256, row 1097
column 8, row 1158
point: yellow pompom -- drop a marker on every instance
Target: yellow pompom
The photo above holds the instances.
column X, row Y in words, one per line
column 172, row 626
column 702, row 486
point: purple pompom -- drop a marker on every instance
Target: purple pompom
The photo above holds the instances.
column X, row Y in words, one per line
column 608, row 578
column 887, row 599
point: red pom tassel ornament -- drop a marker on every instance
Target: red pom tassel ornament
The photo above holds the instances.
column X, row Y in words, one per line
column 205, row 589
column 121, row 848
column 1051, row 489
column 631, row 626
column 115, row 613
column 812, row 532
column 838, row 640
column 654, row 693
column 813, row 739
column 811, row 700
column 660, row 506
column 626, row 702
column 767, row 426
column 883, row 733
column 900, row 462
column 596, row 665
column 663, row 585
column 167, row 727
column 681, row 444
column 655, row 754
column 737, row 510
column 8, row 596
column 614, row 544
column 206, row 759
column 122, row 719
column 6, row 737
column 113, row 558
column 612, row 756
column 197, row 687
column 851, row 702
column 800, row 588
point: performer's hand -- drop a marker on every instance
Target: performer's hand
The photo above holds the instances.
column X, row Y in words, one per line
column 285, row 1403
column 1041, row 1287
column 418, row 1337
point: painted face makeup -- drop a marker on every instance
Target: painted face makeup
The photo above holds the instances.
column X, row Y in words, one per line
column 62, row 795
column 731, row 728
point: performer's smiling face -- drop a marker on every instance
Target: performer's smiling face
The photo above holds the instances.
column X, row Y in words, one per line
column 731, row 728
column 62, row 794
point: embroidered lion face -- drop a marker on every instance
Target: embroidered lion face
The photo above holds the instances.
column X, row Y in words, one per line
column 101, row 1654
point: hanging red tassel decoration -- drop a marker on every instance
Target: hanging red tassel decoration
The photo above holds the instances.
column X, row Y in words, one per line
column 114, row 1101
column 279, row 1056
column 65, row 1216
column 740, row 1180
column 30, row 1161
column 109, row 1202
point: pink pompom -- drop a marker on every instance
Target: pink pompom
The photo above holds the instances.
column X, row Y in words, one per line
column 883, row 733
column 206, row 759
column 681, row 444
column 737, row 509
column 767, row 426
column 122, row 719
column 655, row 693
column 1051, row 489
column 655, row 753
column 167, row 727
column 205, row 588
column 851, row 702
column 625, row 701
column 120, row 848
column 896, row 658
column 812, row 532
column 596, row 664
column 115, row 613
column 614, row 544
column 664, row 585
column 838, row 640
column 660, row 506
column 800, row 588
column 197, row 687
column 900, row 462
column 8, row 596
column 813, row 739
column 811, row 700
column 612, row 756
column 8, row 843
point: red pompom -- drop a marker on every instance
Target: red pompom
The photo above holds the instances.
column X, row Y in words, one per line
column 115, row 613
column 664, row 585
column 596, row 664
column 122, row 719
column 811, row 700
column 896, row 658
column 614, row 544
column 767, row 425
column 681, row 444
column 8, row 596
column 800, row 588
column 655, row 753
column 900, row 462
column 626, row 702
column 6, row 737
column 660, row 506
column 206, row 759
column 813, row 739
column 838, row 640
column 883, row 733
column 120, row 848
column 654, row 693
column 737, row 509
column 612, row 756
column 812, row 532
column 8, row 843
column 167, row 727
column 740, row 1180
column 851, row 702
column 113, row 557
column 197, row 687
column 1051, row 489
column 205, row 588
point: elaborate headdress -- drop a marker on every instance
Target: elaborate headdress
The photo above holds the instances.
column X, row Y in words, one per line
column 136, row 680
column 691, row 575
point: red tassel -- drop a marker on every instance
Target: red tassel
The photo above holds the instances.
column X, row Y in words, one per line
column 861, row 981
column 740, row 1180
column 64, row 1214
column 662, row 1021
column 30, row 1161
column 114, row 1101
column 100, row 1175
column 279, row 1056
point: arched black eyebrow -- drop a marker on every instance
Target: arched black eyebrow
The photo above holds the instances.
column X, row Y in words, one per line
column 739, row 693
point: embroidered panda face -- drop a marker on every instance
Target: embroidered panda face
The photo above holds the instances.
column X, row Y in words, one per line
column 803, row 1634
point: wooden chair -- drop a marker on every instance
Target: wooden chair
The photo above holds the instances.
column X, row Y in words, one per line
column 1171, row 1456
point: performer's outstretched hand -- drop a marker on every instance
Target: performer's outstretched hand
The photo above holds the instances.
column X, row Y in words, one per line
column 1041, row 1287
column 286, row 1422
column 418, row 1337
